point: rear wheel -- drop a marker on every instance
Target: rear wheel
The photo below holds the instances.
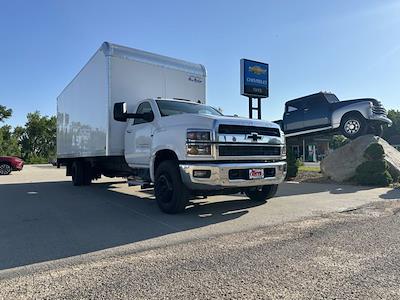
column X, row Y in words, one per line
column 353, row 126
column 260, row 195
column 87, row 174
column 171, row 194
column 81, row 173
column 5, row 169
column 77, row 173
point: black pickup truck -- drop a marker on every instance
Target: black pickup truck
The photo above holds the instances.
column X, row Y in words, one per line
column 324, row 112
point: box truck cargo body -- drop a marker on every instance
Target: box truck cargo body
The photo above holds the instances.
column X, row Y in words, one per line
column 115, row 73
column 143, row 116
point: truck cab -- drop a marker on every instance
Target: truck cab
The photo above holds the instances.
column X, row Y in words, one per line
column 189, row 148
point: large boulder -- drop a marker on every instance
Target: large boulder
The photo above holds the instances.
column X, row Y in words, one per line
column 340, row 165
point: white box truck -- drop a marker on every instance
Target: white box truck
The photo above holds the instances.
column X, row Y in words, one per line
column 143, row 116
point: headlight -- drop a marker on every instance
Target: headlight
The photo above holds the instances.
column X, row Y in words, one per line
column 283, row 150
column 198, row 135
column 199, row 149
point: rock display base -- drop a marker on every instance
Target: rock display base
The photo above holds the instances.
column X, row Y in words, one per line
column 340, row 165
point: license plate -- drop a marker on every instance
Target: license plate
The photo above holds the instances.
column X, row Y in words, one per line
column 256, row 173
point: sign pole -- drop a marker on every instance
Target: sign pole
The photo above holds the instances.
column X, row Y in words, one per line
column 250, row 108
column 259, row 108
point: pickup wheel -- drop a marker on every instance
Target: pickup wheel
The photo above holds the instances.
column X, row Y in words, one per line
column 78, row 175
column 353, row 126
column 171, row 194
column 5, row 169
column 263, row 194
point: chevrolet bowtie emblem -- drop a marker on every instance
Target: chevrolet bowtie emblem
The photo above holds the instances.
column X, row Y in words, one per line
column 254, row 136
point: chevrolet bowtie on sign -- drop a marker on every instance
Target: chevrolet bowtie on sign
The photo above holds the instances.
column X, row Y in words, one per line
column 253, row 79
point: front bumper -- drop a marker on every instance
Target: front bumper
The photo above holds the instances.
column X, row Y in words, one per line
column 219, row 178
column 381, row 118
column 18, row 166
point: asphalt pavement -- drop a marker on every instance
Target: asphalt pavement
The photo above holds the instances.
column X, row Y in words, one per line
column 111, row 241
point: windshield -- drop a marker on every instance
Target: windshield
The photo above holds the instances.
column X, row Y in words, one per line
column 169, row 108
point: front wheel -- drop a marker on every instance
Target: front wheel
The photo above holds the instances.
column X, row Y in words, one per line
column 171, row 194
column 5, row 169
column 260, row 195
column 353, row 126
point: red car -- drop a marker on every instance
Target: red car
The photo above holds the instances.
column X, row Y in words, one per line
column 10, row 163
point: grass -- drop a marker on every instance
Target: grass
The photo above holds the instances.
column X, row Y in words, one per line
column 309, row 169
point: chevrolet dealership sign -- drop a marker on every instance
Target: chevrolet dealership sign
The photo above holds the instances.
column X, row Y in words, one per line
column 253, row 79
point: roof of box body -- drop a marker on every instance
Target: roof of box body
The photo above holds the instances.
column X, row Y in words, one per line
column 114, row 50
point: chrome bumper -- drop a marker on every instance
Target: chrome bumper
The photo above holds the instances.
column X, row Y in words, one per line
column 381, row 118
column 219, row 178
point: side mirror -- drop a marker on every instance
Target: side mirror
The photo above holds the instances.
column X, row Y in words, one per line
column 120, row 112
column 148, row 117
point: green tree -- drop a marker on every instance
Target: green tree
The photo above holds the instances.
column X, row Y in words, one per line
column 388, row 132
column 337, row 141
column 293, row 164
column 5, row 113
column 8, row 141
column 38, row 139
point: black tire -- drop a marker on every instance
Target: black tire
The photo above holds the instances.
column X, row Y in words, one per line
column 171, row 194
column 87, row 174
column 5, row 169
column 266, row 192
column 78, row 174
column 353, row 126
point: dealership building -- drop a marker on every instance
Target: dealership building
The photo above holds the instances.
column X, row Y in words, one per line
column 309, row 148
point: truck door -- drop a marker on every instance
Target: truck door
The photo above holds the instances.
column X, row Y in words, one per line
column 316, row 112
column 138, row 139
column 293, row 118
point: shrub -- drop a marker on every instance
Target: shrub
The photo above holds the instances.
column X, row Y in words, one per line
column 292, row 164
column 374, row 152
column 372, row 166
column 374, row 179
column 375, row 170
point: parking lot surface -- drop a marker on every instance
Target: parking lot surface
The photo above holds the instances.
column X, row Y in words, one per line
column 43, row 217
column 52, row 232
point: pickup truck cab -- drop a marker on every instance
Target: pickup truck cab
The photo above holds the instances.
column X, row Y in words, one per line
column 149, row 123
column 324, row 112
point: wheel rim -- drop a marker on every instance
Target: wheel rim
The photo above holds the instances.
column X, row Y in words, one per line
column 352, row 126
column 164, row 189
column 5, row 169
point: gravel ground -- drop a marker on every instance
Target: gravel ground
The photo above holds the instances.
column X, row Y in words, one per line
column 348, row 255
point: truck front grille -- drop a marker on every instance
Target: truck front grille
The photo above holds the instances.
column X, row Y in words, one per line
column 249, row 150
column 238, row 129
column 379, row 110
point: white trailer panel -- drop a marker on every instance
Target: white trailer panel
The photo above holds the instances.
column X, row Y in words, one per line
column 82, row 112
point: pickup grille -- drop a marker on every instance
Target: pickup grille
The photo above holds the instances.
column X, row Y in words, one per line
column 379, row 110
column 238, row 129
column 249, row 151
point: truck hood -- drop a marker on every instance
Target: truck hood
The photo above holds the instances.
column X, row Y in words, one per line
column 210, row 122
column 347, row 102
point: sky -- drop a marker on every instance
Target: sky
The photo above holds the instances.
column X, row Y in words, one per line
column 350, row 48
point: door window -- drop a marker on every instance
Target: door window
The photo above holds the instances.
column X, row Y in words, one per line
column 144, row 107
column 293, row 107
